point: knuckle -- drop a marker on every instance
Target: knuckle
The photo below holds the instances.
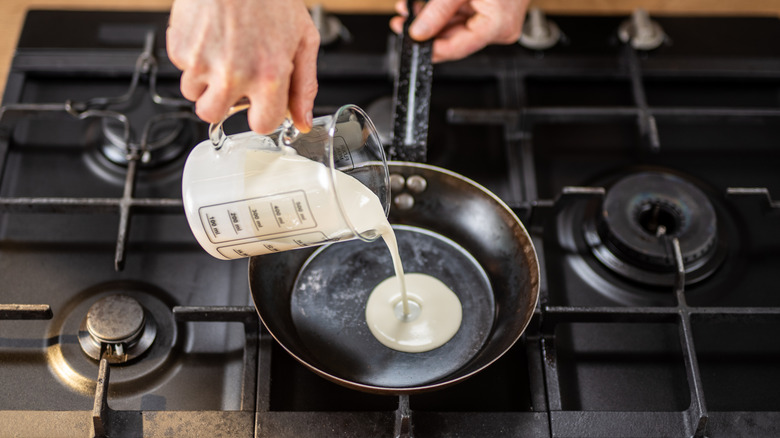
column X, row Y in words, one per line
column 263, row 122
column 312, row 88
column 205, row 112
column 312, row 37
column 273, row 72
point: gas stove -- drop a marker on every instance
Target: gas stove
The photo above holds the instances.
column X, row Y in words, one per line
column 640, row 152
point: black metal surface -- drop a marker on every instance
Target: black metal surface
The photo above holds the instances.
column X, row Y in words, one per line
column 602, row 357
column 246, row 315
column 131, row 146
column 51, row 163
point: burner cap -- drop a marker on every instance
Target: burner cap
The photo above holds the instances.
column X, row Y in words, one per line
column 162, row 126
column 162, row 145
column 119, row 324
column 116, row 318
column 639, row 215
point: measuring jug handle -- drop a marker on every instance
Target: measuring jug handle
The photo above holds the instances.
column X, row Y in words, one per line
column 216, row 133
column 287, row 134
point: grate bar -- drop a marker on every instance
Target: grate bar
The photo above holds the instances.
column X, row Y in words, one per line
column 25, row 311
column 552, row 383
column 760, row 194
column 646, row 121
column 88, row 205
column 403, row 418
column 697, row 412
column 243, row 314
column 596, row 114
column 566, row 314
column 100, row 410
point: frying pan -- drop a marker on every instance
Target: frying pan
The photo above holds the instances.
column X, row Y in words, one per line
column 312, row 301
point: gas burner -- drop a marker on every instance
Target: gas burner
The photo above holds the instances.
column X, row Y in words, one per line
column 118, row 328
column 631, row 232
column 164, row 119
column 171, row 137
column 162, row 140
column 128, row 322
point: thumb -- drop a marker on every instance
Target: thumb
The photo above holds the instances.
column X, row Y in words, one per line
column 433, row 17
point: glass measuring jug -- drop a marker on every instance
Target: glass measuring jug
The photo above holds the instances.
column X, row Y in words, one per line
column 248, row 194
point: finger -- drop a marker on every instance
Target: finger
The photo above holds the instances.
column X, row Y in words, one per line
column 192, row 85
column 303, row 83
column 433, row 17
column 460, row 43
column 401, row 9
column 397, row 24
column 268, row 102
column 216, row 100
column 476, row 33
column 173, row 47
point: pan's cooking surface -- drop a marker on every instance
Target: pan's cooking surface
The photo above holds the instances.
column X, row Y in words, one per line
column 328, row 309
column 612, row 350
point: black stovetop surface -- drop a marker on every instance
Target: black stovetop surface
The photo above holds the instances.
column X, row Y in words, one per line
column 549, row 132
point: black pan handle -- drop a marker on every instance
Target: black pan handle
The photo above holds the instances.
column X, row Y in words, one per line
column 411, row 103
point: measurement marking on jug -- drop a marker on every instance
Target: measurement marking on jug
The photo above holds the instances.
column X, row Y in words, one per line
column 299, row 210
column 277, row 244
column 212, row 221
column 255, row 215
column 235, row 221
column 290, row 212
column 277, row 215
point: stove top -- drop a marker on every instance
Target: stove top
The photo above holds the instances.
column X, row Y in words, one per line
column 645, row 176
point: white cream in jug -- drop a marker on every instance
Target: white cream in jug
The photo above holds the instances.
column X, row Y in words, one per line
column 257, row 199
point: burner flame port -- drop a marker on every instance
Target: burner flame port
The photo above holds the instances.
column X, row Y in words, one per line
column 658, row 218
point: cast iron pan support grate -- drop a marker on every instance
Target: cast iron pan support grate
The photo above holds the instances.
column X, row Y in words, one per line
column 108, row 422
column 146, row 64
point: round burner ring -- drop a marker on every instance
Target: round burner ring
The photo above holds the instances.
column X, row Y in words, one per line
column 78, row 370
column 162, row 148
column 631, row 233
column 637, row 207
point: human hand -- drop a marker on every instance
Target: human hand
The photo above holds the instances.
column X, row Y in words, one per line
column 265, row 50
column 462, row 27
